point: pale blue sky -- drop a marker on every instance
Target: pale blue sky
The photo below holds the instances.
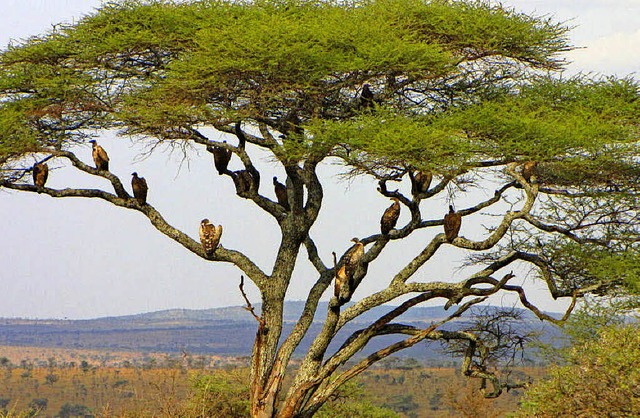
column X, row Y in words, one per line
column 80, row 258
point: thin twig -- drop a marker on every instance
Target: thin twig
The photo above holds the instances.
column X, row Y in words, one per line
column 250, row 307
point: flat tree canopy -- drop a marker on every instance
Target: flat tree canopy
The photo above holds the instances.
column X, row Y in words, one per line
column 429, row 98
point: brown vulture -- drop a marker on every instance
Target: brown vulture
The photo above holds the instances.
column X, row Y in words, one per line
column 420, row 182
column 346, row 269
column 40, row 174
column 243, row 181
column 281, row 193
column 353, row 258
column 209, row 236
column 390, row 217
column 366, row 97
column 529, row 170
column 452, row 222
column 100, row 156
column 221, row 158
column 140, row 188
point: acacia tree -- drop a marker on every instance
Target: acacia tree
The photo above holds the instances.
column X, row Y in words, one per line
column 460, row 91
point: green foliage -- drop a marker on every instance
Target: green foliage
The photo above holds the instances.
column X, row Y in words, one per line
column 601, row 378
column 179, row 64
column 550, row 118
column 220, row 394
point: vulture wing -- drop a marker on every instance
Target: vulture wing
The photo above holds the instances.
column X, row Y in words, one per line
column 221, row 158
column 140, row 189
column 341, row 281
column 210, row 237
column 421, row 182
column 281, row 193
column 390, row 218
column 452, row 222
column 40, row 174
column 353, row 258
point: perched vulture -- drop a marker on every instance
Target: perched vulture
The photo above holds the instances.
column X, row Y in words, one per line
column 353, row 258
column 452, row 222
column 366, row 97
column 390, row 217
column 221, row 158
column 100, row 156
column 420, row 182
column 40, row 174
column 281, row 193
column 209, row 236
column 243, row 181
column 529, row 170
column 139, row 186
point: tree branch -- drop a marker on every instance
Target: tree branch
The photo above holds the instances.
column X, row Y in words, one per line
column 221, row 253
column 327, row 389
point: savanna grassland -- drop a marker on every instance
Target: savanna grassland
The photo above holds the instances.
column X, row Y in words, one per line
column 66, row 383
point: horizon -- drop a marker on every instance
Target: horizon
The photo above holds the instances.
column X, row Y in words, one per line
column 243, row 307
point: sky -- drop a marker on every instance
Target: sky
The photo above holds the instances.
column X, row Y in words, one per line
column 81, row 258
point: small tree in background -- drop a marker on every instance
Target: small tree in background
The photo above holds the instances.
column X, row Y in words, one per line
column 434, row 100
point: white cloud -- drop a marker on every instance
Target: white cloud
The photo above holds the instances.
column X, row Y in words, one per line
column 613, row 54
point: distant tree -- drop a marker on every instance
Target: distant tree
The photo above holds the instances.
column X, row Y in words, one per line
column 443, row 103
column 39, row 404
column 70, row 410
column 404, row 404
column 51, row 378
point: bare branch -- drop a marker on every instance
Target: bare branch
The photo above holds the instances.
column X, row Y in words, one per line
column 250, row 307
column 566, row 232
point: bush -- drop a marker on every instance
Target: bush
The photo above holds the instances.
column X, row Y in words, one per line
column 223, row 394
column 601, row 378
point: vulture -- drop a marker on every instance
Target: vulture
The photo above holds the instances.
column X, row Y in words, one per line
column 452, row 222
column 353, row 258
column 100, row 156
column 420, row 182
column 346, row 269
column 366, row 97
column 139, row 186
column 243, row 181
column 390, row 217
column 40, row 174
column 209, row 236
column 221, row 158
column 529, row 170
column 281, row 193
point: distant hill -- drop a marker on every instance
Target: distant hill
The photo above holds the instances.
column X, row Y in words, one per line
column 220, row 331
